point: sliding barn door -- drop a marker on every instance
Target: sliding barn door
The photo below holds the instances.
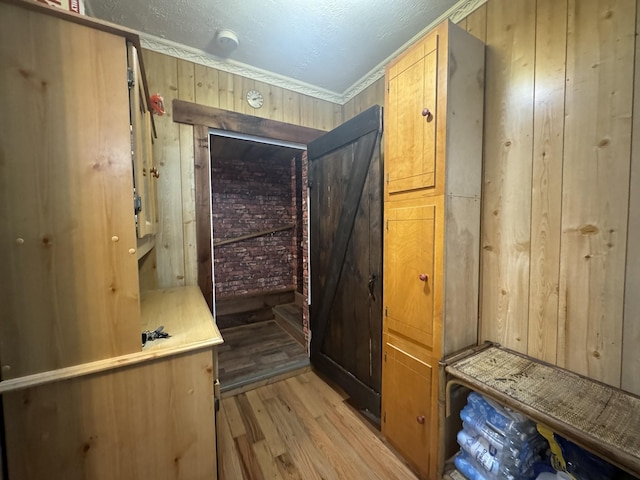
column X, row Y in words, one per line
column 345, row 208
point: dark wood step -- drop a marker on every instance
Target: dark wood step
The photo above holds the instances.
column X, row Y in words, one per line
column 289, row 317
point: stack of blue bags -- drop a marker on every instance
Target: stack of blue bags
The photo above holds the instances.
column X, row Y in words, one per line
column 496, row 443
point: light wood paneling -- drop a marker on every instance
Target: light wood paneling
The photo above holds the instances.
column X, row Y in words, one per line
column 556, row 163
column 600, row 55
column 187, row 91
column 631, row 332
column 372, row 95
column 207, row 86
column 174, row 149
column 506, row 218
column 162, row 73
column 546, row 187
column 477, row 23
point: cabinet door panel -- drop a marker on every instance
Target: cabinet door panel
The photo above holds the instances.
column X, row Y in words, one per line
column 412, row 149
column 145, row 173
column 67, row 235
column 407, row 419
column 409, row 272
column 152, row 420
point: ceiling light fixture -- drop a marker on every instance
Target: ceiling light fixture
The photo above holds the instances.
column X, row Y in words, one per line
column 227, row 40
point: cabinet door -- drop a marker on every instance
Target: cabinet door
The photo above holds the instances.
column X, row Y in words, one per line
column 152, row 420
column 409, row 252
column 407, row 420
column 145, row 172
column 411, row 120
column 67, row 236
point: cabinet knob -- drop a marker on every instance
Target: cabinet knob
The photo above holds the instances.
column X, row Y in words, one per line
column 154, row 172
column 427, row 113
column 420, row 419
column 423, row 277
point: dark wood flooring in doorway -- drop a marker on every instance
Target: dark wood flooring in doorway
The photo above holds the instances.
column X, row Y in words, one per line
column 258, row 354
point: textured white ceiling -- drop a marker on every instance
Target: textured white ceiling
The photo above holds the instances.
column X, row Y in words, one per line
column 329, row 44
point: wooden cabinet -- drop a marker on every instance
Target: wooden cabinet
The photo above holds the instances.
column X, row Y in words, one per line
column 143, row 415
column 68, row 243
column 81, row 397
column 433, row 166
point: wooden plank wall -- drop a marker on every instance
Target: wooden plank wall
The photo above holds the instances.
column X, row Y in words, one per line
column 176, row 260
column 372, row 95
column 560, row 272
column 556, row 189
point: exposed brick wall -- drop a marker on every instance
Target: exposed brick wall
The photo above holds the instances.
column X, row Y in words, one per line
column 248, row 196
column 296, row 167
column 305, row 248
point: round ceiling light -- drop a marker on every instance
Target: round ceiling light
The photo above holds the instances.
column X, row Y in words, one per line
column 227, row 40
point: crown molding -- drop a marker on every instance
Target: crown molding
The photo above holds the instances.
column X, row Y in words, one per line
column 456, row 13
column 200, row 57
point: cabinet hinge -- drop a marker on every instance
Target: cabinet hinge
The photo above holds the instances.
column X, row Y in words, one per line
column 386, row 314
column 387, row 179
column 387, row 225
column 130, row 78
column 137, row 203
column 388, row 86
column 385, row 356
column 384, row 417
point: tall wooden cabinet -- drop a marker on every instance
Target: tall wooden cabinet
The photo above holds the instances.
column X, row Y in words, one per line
column 81, row 397
column 433, row 166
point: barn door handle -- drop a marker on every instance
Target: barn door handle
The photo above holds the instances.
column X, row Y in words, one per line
column 372, row 284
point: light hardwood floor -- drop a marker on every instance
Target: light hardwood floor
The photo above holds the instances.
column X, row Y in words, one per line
column 300, row 428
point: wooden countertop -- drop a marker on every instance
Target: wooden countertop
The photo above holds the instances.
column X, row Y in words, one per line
column 185, row 316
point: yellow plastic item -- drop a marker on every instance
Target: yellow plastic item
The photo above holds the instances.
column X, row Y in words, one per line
column 557, row 460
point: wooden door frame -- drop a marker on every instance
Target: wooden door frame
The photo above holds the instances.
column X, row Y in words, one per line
column 204, row 118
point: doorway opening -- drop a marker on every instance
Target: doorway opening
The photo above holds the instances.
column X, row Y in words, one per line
column 257, row 216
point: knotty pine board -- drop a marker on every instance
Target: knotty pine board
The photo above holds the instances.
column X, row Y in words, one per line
column 162, row 75
column 510, row 60
column 631, row 333
column 600, row 55
column 546, row 186
column 372, row 95
column 186, row 90
column 563, row 194
column 476, row 23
